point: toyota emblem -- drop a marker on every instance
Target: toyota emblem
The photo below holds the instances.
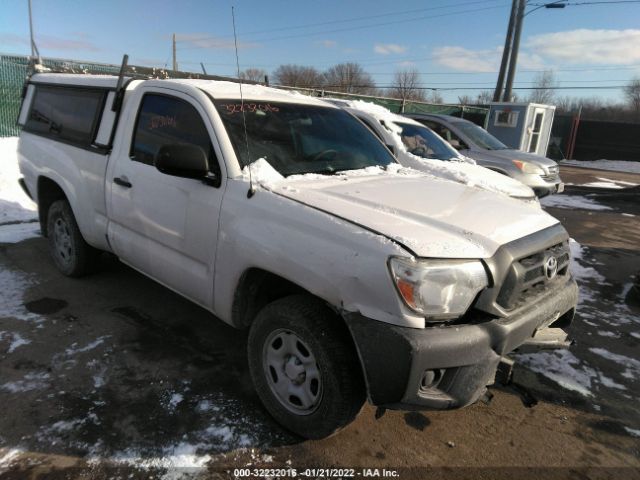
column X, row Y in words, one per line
column 551, row 267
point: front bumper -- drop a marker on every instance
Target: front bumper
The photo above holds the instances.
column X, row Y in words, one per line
column 444, row 367
column 542, row 185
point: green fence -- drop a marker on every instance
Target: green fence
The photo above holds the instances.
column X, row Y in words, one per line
column 472, row 113
column 13, row 71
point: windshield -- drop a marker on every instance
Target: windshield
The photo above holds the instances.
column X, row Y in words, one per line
column 298, row 139
column 425, row 143
column 480, row 136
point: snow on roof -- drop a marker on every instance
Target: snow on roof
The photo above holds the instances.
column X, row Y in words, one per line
column 377, row 111
column 216, row 88
column 221, row 89
column 108, row 81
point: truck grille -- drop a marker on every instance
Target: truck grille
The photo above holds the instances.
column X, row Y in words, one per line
column 533, row 275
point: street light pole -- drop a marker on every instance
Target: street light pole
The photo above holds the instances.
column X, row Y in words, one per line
column 506, row 52
column 513, row 60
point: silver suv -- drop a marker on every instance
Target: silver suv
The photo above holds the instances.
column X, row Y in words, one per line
column 538, row 172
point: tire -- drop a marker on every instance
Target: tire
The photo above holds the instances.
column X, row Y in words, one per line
column 71, row 254
column 299, row 337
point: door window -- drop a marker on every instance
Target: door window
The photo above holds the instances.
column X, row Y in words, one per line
column 535, row 132
column 164, row 120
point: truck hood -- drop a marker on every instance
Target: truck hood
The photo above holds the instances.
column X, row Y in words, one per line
column 429, row 216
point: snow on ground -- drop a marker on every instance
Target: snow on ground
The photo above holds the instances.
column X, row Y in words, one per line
column 570, row 369
column 609, row 183
column 613, row 165
column 17, row 211
column 571, row 202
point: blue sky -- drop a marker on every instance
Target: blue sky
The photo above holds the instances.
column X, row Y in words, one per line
column 454, row 44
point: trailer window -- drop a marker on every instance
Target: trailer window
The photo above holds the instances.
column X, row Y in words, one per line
column 68, row 114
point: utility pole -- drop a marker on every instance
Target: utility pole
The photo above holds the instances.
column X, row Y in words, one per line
column 34, row 49
column 506, row 52
column 513, row 61
column 175, row 62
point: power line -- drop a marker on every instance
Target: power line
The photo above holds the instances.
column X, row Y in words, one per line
column 346, row 20
column 362, row 27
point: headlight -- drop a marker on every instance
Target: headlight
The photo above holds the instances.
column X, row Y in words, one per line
column 528, row 167
column 439, row 289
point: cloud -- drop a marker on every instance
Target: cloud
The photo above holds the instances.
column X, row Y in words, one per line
column 406, row 63
column 387, row 48
column 485, row 60
column 77, row 41
column 202, row 40
column 327, row 43
column 584, row 46
column 466, row 60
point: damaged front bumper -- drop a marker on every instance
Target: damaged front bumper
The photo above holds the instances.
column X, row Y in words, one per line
column 449, row 366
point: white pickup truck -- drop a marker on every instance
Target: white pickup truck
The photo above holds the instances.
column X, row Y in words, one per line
column 355, row 278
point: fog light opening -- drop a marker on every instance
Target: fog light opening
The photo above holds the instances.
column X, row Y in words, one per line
column 430, row 379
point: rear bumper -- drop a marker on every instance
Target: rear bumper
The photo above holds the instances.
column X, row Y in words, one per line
column 444, row 367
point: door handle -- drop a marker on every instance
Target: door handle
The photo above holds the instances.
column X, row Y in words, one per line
column 122, row 182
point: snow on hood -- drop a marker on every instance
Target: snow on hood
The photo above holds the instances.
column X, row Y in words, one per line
column 432, row 217
column 457, row 169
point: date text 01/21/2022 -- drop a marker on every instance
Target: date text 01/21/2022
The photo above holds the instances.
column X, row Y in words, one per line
column 315, row 473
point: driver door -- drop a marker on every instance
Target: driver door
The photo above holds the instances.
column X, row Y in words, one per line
column 163, row 225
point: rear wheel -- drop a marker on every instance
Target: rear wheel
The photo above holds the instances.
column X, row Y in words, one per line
column 304, row 367
column 71, row 254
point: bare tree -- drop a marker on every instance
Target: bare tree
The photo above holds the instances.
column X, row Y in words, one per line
column 632, row 94
column 484, row 98
column 406, row 85
column 466, row 100
column 349, row 78
column 544, row 88
column 433, row 97
column 298, row 76
column 253, row 74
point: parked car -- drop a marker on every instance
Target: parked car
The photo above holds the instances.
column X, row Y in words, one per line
column 284, row 215
column 419, row 147
column 540, row 173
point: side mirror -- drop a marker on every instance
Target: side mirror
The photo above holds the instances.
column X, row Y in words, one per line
column 188, row 161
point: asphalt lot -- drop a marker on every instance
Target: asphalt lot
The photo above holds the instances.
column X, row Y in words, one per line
column 114, row 376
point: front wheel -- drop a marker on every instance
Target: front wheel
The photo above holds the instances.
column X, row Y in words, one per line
column 304, row 367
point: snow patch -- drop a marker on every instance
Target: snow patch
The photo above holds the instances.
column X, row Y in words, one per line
column 631, row 365
column 562, row 367
column 570, row 201
column 31, row 381
column 74, row 349
column 8, row 456
column 261, row 172
column 612, row 165
column 13, row 284
column 16, row 340
column 15, row 205
column 633, row 432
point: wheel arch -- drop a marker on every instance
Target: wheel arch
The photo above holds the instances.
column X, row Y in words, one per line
column 49, row 191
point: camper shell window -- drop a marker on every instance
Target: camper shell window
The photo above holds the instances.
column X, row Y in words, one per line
column 65, row 113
